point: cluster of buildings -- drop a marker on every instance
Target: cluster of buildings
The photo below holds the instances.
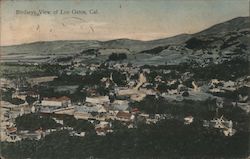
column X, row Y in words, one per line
column 95, row 108
column 105, row 110
column 9, row 112
column 226, row 126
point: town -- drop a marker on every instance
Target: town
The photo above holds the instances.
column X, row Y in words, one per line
column 115, row 95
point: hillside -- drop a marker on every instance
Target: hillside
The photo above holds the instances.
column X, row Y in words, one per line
column 217, row 43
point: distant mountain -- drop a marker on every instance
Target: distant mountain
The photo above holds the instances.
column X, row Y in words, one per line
column 221, row 42
column 235, row 24
column 217, row 43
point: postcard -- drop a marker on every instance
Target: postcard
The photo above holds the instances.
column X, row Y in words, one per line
column 124, row 79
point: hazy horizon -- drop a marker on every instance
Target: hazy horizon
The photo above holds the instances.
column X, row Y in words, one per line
column 109, row 20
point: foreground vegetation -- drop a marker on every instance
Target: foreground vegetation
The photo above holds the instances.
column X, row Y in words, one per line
column 169, row 138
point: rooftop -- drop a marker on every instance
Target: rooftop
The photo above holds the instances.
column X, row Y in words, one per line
column 60, row 99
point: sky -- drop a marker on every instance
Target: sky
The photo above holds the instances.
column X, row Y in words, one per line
column 21, row 21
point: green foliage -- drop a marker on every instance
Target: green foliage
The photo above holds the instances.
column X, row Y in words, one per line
column 151, row 76
column 119, row 78
column 64, row 59
column 228, row 70
column 78, row 96
column 196, row 44
column 117, row 57
column 30, row 100
column 17, row 101
column 155, row 50
column 7, row 95
column 162, row 88
column 198, row 109
column 14, row 71
column 65, row 79
column 168, row 138
column 78, row 125
column 35, row 121
column 185, row 94
column 95, row 77
column 102, row 91
column 20, row 149
column 118, row 125
column 151, row 105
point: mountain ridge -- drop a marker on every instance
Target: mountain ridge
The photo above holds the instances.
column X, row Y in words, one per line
column 247, row 19
column 223, row 38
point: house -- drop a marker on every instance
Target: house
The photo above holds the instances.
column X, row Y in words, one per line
column 229, row 86
column 11, row 130
column 220, row 123
column 216, row 90
column 101, row 131
column 151, row 120
column 214, row 82
column 38, row 80
column 82, row 115
column 67, row 111
column 5, row 83
column 98, row 100
column 103, row 128
column 196, row 88
column 124, row 116
column 14, row 112
column 74, row 133
column 188, row 120
column 91, row 108
column 34, row 135
column 126, row 91
column 56, row 102
column 23, row 95
column 11, row 135
column 120, row 105
column 138, row 97
column 102, row 124
column 89, row 111
column 134, row 93
column 47, row 110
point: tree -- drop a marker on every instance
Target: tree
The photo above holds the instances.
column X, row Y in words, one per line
column 78, row 125
column 151, row 105
column 119, row 78
column 162, row 88
column 35, row 121
column 17, row 101
column 117, row 57
column 169, row 138
column 185, row 94
column 30, row 100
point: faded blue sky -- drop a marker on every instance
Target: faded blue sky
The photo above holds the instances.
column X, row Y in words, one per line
column 134, row 19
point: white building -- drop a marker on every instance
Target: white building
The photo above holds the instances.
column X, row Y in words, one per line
column 120, row 105
column 188, row 120
column 220, row 123
column 124, row 116
column 56, row 102
column 98, row 100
